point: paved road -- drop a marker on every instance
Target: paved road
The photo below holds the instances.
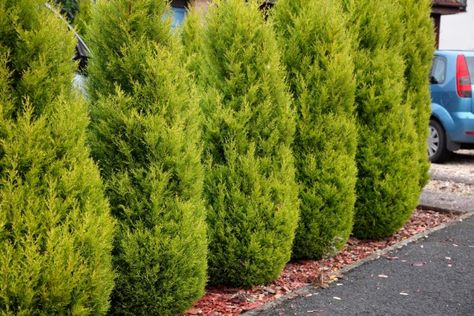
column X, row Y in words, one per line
column 434, row 276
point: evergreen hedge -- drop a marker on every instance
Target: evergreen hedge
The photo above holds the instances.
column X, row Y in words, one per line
column 248, row 132
column 317, row 52
column 77, row 12
column 55, row 229
column 146, row 137
column 418, row 50
column 69, row 8
column 192, row 40
column 387, row 158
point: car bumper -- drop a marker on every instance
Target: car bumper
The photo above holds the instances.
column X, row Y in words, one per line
column 463, row 131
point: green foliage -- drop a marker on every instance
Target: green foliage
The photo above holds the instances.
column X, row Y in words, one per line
column 55, row 229
column 146, row 137
column 418, row 49
column 248, row 131
column 69, row 8
column 82, row 17
column 387, row 158
column 318, row 57
column 192, row 39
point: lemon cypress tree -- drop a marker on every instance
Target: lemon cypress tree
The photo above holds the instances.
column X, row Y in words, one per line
column 68, row 7
column 55, row 228
column 418, row 49
column 191, row 36
column 248, row 131
column 387, row 157
column 317, row 52
column 146, row 138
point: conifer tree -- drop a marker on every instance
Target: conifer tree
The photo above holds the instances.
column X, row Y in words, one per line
column 77, row 12
column 387, row 159
column 418, row 49
column 69, row 8
column 248, row 131
column 82, row 16
column 191, row 36
column 146, row 138
column 56, row 232
column 317, row 52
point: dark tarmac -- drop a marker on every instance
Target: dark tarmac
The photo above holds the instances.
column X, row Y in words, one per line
column 433, row 276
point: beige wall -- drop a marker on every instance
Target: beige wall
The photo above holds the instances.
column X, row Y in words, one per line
column 201, row 4
column 457, row 30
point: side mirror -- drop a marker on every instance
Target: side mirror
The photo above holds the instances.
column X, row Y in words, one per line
column 433, row 80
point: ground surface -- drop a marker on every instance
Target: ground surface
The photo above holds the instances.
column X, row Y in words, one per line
column 433, row 276
column 452, row 186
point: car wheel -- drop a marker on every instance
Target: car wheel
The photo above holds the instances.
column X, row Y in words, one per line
column 437, row 151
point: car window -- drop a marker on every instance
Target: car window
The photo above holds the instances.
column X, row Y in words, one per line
column 470, row 65
column 438, row 70
column 178, row 16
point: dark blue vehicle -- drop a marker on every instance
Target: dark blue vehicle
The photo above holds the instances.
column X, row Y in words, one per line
column 452, row 107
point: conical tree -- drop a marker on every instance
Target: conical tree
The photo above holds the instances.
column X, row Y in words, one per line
column 77, row 12
column 55, row 229
column 69, row 8
column 82, row 17
column 146, row 137
column 317, row 52
column 248, row 131
column 418, row 49
column 387, row 158
column 191, row 36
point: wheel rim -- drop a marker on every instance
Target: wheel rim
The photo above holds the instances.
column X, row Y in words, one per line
column 433, row 142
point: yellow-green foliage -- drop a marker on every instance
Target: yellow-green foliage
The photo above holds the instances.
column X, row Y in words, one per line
column 192, row 39
column 387, row 158
column 317, row 53
column 145, row 135
column 417, row 50
column 81, row 20
column 55, row 228
column 248, row 131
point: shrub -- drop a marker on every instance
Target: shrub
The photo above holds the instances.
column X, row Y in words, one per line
column 387, row 158
column 418, row 49
column 192, row 40
column 146, row 137
column 318, row 58
column 77, row 12
column 69, row 8
column 55, row 229
column 248, row 131
column 82, row 17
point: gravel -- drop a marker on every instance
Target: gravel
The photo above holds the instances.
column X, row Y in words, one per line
column 460, row 169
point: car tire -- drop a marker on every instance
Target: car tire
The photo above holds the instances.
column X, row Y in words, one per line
column 437, row 150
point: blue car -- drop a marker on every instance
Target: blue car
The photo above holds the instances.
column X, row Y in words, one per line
column 452, row 108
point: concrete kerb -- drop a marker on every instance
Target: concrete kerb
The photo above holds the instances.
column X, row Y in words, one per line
column 446, row 202
column 442, row 176
column 310, row 288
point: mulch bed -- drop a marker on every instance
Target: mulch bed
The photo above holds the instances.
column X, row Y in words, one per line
column 234, row 301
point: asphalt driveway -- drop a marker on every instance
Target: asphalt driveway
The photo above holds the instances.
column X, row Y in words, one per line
column 434, row 276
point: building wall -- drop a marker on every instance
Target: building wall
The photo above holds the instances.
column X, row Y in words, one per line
column 457, row 31
column 201, row 4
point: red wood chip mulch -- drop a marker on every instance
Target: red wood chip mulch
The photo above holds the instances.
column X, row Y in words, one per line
column 234, row 301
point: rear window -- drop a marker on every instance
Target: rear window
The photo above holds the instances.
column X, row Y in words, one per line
column 438, row 70
column 470, row 65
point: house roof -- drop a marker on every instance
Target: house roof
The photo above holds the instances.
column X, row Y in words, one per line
column 444, row 7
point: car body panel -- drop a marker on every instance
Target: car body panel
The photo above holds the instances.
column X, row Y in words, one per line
column 456, row 114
